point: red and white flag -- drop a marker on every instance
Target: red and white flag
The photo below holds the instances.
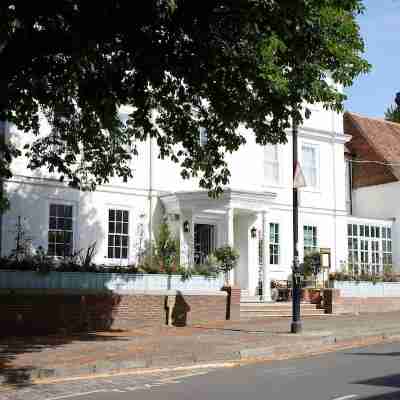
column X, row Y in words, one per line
column 298, row 178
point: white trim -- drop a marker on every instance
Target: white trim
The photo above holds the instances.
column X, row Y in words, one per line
column 383, row 222
column 321, row 135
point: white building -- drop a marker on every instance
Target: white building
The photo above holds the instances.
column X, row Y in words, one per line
column 374, row 160
column 258, row 200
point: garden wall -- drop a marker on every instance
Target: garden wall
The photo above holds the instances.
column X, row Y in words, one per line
column 43, row 310
column 359, row 300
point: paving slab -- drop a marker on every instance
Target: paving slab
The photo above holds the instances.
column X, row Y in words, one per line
column 24, row 360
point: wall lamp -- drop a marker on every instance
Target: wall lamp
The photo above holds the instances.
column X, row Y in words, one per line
column 186, row 226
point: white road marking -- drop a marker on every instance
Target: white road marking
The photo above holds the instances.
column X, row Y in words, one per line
column 68, row 396
column 349, row 396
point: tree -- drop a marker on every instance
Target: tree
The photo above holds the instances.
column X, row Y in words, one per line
column 180, row 65
column 393, row 112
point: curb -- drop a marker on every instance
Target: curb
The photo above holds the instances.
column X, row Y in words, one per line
column 310, row 347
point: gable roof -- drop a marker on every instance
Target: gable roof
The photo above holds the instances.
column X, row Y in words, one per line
column 381, row 135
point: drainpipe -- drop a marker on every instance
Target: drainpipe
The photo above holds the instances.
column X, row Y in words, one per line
column 350, row 172
column 2, row 142
column 150, row 199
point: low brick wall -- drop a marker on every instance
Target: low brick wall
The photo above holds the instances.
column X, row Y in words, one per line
column 334, row 303
column 50, row 311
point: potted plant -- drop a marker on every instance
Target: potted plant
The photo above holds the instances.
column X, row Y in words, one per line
column 227, row 259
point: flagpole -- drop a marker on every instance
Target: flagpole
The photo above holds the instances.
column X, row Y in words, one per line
column 296, row 325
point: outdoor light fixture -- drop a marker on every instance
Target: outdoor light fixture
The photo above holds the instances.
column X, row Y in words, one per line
column 253, row 232
column 186, row 227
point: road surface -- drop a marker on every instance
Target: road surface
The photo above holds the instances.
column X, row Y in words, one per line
column 369, row 373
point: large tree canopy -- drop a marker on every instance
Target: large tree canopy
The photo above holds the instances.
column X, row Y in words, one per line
column 180, row 65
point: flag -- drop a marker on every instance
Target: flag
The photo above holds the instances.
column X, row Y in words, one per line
column 298, row 178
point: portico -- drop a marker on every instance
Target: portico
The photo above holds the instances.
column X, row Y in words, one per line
column 203, row 224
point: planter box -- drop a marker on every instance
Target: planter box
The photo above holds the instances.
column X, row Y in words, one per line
column 118, row 283
column 367, row 289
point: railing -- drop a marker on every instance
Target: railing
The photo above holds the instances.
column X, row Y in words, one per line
column 106, row 281
column 367, row 289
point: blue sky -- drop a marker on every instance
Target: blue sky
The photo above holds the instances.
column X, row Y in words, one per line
column 371, row 94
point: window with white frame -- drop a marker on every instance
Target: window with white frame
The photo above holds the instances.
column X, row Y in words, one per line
column 352, row 243
column 203, row 136
column 271, row 164
column 274, row 240
column 310, row 239
column 369, row 248
column 387, row 247
column 310, row 164
column 60, row 234
column 118, row 233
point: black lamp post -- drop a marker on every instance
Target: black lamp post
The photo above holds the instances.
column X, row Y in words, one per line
column 296, row 325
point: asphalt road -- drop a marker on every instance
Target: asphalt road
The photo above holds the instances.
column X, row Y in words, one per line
column 369, row 373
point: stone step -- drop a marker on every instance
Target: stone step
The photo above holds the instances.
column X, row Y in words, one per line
column 278, row 309
column 281, row 315
column 259, row 307
column 250, row 299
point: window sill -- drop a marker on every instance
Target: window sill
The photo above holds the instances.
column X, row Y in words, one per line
column 316, row 190
column 273, row 185
column 116, row 261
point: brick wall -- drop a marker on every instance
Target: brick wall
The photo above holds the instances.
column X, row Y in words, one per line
column 336, row 304
column 42, row 312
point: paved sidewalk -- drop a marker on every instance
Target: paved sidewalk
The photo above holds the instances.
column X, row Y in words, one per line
column 24, row 360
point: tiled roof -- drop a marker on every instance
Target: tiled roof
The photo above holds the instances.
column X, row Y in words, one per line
column 383, row 136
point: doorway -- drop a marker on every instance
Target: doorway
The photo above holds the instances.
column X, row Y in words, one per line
column 204, row 242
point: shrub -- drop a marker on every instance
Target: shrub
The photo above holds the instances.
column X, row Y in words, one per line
column 227, row 259
column 163, row 258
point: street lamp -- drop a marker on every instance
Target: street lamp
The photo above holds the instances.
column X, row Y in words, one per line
column 296, row 325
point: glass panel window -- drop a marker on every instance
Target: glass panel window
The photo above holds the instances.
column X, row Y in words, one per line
column 274, row 244
column 387, row 248
column 60, row 233
column 118, row 234
column 369, row 249
column 310, row 167
column 271, row 164
column 375, row 257
column 310, row 239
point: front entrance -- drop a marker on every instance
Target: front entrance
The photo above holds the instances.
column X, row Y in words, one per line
column 204, row 242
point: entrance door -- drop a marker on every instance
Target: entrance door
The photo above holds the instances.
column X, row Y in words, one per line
column 204, row 242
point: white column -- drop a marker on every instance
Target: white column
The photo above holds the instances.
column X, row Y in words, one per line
column 266, row 276
column 230, row 238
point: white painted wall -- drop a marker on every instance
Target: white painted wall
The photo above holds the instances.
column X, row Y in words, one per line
column 323, row 206
column 381, row 201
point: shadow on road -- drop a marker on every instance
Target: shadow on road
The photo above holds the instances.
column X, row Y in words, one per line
column 387, row 381
column 12, row 373
column 386, row 396
column 390, row 354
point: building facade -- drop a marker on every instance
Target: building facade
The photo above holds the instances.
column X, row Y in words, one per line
column 254, row 214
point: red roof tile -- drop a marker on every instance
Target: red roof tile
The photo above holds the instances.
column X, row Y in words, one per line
column 383, row 137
